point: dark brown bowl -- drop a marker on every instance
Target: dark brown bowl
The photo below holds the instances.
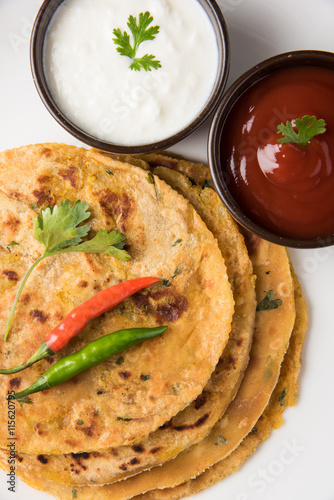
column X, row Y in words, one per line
column 225, row 108
column 42, row 21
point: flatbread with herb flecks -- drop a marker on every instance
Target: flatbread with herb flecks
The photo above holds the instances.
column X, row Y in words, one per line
column 108, row 405
column 221, row 442
column 259, row 258
column 193, row 423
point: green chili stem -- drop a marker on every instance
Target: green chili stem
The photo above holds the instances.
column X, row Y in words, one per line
column 91, row 355
column 12, row 311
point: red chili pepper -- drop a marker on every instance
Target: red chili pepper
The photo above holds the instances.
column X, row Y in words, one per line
column 78, row 318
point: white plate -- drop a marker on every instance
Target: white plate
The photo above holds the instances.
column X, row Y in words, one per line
column 296, row 462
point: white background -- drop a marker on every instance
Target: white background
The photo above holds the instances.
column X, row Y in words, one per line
column 258, row 29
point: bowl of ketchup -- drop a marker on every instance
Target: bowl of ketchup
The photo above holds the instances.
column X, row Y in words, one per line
column 271, row 149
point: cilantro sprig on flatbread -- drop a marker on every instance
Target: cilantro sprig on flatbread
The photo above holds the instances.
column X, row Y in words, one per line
column 58, row 229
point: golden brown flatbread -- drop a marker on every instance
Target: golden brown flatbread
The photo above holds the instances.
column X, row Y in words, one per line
column 117, row 405
column 216, row 443
column 194, row 422
column 242, row 427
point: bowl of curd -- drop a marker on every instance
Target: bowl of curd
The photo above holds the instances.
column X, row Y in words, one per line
column 129, row 76
column 271, row 149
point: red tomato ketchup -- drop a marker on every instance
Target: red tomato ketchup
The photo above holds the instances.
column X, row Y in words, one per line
column 286, row 188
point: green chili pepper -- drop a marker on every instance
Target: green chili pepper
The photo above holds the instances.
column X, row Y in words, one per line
column 91, row 355
column 78, row 318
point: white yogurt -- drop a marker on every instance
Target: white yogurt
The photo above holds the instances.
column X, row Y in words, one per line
column 94, row 86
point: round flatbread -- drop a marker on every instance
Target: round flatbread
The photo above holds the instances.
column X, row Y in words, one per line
column 284, row 393
column 109, row 405
column 194, row 422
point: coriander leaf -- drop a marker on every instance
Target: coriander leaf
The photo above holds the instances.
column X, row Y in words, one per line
column 11, row 245
column 176, row 242
column 178, row 270
column 268, row 302
column 150, row 178
column 283, row 394
column 147, row 62
column 103, row 242
column 123, row 40
column 140, row 33
column 282, row 397
column 221, row 441
column 79, row 211
column 307, row 128
column 57, row 228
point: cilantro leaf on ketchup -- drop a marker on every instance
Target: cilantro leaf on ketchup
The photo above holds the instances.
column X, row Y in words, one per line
column 307, row 128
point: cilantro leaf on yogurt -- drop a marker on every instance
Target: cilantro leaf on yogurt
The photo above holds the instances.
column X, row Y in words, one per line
column 140, row 33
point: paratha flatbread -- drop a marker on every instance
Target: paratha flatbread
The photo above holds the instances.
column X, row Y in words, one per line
column 230, row 461
column 265, row 265
column 271, row 339
column 192, row 424
column 117, row 405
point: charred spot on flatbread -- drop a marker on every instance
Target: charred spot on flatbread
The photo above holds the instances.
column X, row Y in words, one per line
column 200, row 401
column 10, row 274
column 42, row 459
column 117, row 207
column 44, row 179
column 15, row 382
column 11, row 222
column 69, row 175
column 39, row 315
column 137, row 448
column 173, row 310
column 47, row 152
column 198, row 423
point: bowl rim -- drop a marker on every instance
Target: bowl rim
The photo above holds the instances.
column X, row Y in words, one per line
column 250, row 77
column 40, row 25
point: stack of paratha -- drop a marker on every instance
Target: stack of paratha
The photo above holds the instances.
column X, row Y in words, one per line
column 183, row 410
